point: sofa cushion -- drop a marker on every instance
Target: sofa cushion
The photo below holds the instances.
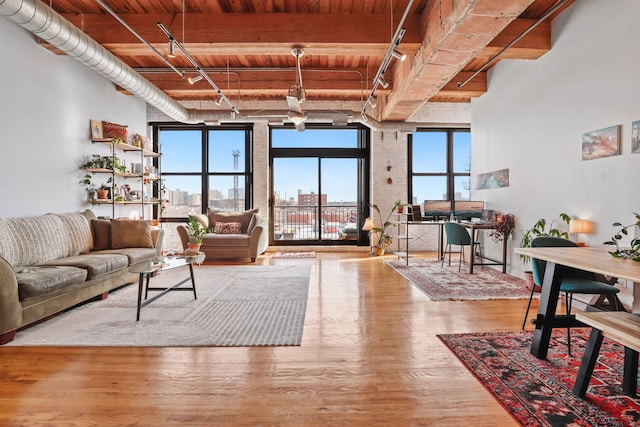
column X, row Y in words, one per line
column 228, row 228
column 31, row 240
column 78, row 231
column 40, row 280
column 243, row 218
column 96, row 264
column 222, row 240
column 127, row 233
column 134, row 255
column 101, row 229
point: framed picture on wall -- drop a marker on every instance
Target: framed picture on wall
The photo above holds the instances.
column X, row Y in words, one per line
column 96, row 129
column 601, row 143
column 635, row 137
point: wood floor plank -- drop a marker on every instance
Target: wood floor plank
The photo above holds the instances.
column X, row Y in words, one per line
column 369, row 356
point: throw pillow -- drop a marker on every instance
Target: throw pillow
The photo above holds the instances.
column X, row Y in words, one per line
column 243, row 218
column 228, row 228
column 115, row 131
column 130, row 233
column 101, row 230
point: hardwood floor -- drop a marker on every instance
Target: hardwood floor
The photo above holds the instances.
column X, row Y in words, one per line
column 369, row 356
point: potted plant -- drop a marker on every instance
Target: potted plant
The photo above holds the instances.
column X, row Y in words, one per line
column 503, row 226
column 633, row 252
column 196, row 232
column 91, row 188
column 103, row 192
column 384, row 239
column 542, row 227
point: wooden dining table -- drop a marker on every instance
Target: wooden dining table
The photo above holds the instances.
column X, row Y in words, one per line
column 594, row 259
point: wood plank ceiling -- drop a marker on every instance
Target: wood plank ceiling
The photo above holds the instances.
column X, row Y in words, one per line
column 245, row 46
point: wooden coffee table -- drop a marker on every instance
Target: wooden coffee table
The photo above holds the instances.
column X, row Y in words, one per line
column 146, row 269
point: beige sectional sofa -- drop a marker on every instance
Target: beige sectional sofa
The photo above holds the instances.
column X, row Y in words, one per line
column 231, row 234
column 51, row 262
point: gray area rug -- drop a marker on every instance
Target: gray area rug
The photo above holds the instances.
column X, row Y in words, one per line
column 236, row 306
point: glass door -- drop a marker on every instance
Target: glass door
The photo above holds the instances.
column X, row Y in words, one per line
column 315, row 200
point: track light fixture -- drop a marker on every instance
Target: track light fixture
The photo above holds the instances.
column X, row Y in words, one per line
column 195, row 79
column 392, row 52
column 398, row 55
column 364, row 117
column 201, row 74
column 219, row 100
column 170, row 50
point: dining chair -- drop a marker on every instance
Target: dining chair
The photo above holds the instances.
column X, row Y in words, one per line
column 574, row 281
column 459, row 236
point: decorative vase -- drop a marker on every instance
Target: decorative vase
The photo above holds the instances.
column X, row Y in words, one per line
column 379, row 251
column 193, row 247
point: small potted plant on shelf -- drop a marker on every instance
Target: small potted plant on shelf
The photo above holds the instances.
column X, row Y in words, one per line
column 103, row 192
column 196, row 232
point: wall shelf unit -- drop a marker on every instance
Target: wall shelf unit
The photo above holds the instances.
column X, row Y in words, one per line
column 129, row 173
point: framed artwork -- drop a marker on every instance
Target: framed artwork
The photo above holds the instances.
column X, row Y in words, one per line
column 601, row 143
column 495, row 179
column 635, row 137
column 96, row 129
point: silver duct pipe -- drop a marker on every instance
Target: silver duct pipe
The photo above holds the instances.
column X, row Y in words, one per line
column 46, row 23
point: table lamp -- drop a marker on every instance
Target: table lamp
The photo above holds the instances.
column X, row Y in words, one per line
column 369, row 226
column 580, row 226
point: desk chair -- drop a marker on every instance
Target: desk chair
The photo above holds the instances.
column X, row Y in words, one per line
column 575, row 281
column 459, row 236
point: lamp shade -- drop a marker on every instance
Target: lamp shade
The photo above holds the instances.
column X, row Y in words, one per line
column 368, row 224
column 580, row 226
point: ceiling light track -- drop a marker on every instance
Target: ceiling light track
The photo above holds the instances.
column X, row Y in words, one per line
column 199, row 70
column 392, row 52
column 139, row 37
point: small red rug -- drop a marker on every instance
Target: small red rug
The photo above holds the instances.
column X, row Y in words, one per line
column 309, row 254
column 538, row 392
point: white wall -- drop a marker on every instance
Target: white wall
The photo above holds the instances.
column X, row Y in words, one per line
column 46, row 103
column 534, row 113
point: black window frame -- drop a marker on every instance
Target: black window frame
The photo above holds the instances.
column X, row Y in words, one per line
column 449, row 174
column 204, row 172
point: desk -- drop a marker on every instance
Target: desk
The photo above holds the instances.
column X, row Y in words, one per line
column 594, row 259
column 473, row 227
column 411, row 224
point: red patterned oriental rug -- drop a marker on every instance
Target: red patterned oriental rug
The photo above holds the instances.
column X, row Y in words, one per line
column 445, row 283
column 538, row 392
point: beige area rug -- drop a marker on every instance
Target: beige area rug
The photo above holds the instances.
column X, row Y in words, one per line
column 236, row 306
column 307, row 254
column 446, row 283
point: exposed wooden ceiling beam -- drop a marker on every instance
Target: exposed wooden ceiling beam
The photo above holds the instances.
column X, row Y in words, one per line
column 452, row 37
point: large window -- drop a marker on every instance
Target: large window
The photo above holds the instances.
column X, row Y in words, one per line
column 204, row 168
column 319, row 185
column 439, row 165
